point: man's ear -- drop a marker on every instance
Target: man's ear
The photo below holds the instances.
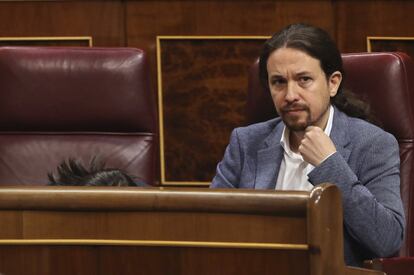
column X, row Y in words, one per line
column 334, row 82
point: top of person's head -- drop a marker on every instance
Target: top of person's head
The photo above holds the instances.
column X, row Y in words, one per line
column 73, row 173
column 318, row 44
column 306, row 38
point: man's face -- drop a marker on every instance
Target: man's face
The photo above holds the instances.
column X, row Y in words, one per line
column 300, row 90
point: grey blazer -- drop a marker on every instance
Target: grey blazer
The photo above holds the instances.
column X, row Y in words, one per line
column 365, row 168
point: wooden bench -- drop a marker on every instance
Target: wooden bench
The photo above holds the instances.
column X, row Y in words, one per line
column 68, row 230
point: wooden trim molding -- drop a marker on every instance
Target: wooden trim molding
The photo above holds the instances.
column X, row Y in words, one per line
column 47, row 41
column 157, row 243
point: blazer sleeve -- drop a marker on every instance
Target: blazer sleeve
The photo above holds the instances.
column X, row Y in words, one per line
column 228, row 170
column 373, row 211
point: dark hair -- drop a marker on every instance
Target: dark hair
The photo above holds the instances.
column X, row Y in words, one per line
column 73, row 173
column 318, row 44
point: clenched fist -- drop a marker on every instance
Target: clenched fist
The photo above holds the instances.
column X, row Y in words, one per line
column 316, row 146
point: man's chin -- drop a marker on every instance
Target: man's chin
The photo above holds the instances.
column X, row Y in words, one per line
column 296, row 126
column 296, row 123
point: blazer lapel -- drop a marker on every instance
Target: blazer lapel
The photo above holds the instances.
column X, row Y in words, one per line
column 269, row 159
column 339, row 134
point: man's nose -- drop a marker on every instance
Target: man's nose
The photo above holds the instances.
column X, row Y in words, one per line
column 292, row 92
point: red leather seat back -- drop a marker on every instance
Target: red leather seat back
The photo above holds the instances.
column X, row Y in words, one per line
column 57, row 103
column 386, row 82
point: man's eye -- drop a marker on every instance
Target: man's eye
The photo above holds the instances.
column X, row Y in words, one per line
column 278, row 82
column 305, row 79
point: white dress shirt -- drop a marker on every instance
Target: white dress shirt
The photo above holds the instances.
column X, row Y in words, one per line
column 293, row 172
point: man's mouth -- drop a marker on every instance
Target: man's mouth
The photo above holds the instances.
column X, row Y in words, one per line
column 294, row 110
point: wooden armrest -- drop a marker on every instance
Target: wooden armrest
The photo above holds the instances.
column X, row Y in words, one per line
column 361, row 271
column 392, row 266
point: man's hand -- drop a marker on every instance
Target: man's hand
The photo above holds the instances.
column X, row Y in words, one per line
column 316, row 146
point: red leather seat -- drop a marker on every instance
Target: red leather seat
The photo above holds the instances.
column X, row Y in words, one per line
column 386, row 81
column 57, row 103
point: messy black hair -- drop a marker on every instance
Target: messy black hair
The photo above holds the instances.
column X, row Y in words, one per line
column 73, row 173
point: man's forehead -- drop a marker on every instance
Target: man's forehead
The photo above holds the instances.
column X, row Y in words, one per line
column 292, row 72
column 287, row 60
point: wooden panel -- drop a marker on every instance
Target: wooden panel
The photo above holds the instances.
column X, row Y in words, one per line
column 391, row 44
column 153, row 214
column 359, row 19
column 203, row 98
column 147, row 19
column 205, row 227
column 107, row 260
column 85, row 41
column 103, row 20
column 11, row 224
column 34, row 260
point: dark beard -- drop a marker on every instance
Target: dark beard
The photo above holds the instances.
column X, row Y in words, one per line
column 295, row 127
column 292, row 125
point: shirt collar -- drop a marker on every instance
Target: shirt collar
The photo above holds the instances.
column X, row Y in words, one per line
column 284, row 141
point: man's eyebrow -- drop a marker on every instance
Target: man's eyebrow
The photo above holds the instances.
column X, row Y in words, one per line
column 300, row 73
column 276, row 75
